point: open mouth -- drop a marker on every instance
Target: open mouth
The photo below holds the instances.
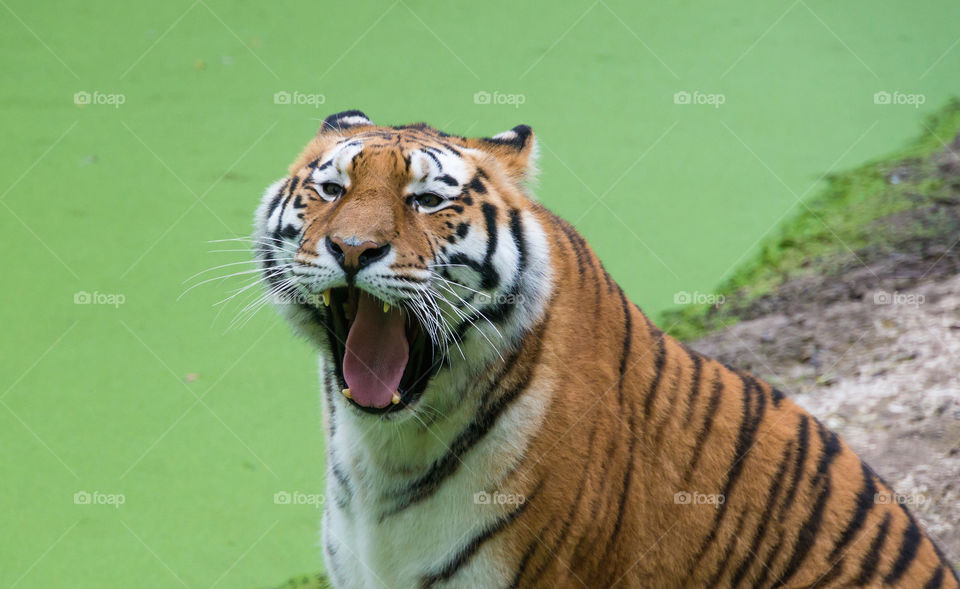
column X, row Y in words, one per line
column 383, row 356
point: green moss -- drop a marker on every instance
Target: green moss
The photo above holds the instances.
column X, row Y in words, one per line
column 845, row 217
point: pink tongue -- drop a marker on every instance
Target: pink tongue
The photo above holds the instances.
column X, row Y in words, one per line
column 377, row 351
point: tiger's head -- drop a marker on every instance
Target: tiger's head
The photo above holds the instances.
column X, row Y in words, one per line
column 410, row 257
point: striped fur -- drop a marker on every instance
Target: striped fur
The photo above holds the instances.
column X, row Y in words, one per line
column 553, row 395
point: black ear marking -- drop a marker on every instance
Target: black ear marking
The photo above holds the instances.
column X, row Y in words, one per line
column 344, row 120
column 516, row 137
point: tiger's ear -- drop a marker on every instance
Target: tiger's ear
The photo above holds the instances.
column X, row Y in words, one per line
column 515, row 149
column 342, row 121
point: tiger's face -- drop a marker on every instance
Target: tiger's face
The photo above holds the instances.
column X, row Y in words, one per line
column 402, row 252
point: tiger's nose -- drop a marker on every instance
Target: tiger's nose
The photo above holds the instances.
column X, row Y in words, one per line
column 354, row 255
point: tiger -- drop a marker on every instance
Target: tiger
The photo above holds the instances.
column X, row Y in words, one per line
column 497, row 412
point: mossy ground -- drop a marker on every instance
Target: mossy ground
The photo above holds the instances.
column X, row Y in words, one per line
column 850, row 216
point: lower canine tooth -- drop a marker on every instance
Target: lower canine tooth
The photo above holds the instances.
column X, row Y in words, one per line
column 326, row 298
column 396, row 398
column 346, row 393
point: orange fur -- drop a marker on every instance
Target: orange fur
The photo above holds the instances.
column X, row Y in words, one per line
column 635, row 421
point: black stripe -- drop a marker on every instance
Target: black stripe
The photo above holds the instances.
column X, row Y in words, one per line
column 328, row 389
column 275, row 201
column 671, row 399
column 807, row 535
column 745, row 440
column 484, row 421
column 607, row 278
column 477, row 186
column 447, row 179
column 283, row 205
column 316, row 165
column 803, row 445
column 572, row 513
column 943, row 560
column 340, row 477
column 767, row 562
column 524, row 561
column 625, row 488
column 866, row 499
column 868, row 566
column 332, row 564
column 519, row 239
column 625, row 347
column 760, row 532
column 570, row 233
column 488, row 274
column 503, row 310
column 834, row 572
column 467, row 552
column 632, row 439
column 777, row 396
column 342, row 497
column 936, row 581
column 707, row 427
column 528, row 554
column 659, row 362
column 694, row 386
column 912, row 537
column 427, row 151
column 728, row 552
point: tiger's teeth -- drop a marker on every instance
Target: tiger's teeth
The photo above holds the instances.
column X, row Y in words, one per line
column 395, row 399
column 326, row 298
column 386, row 307
column 346, row 393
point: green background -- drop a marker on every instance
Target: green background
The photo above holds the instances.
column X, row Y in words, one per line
column 196, row 424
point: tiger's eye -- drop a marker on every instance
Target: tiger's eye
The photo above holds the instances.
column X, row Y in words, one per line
column 331, row 189
column 429, row 200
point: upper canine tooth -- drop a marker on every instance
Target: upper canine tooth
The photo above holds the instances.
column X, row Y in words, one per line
column 386, row 307
column 346, row 393
column 395, row 399
column 326, row 298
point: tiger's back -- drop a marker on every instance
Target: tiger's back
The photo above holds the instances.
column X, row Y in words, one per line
column 696, row 474
column 570, row 442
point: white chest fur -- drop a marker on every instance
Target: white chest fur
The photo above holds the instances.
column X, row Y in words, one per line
column 365, row 545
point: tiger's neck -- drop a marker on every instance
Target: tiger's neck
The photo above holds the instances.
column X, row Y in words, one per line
column 480, row 402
